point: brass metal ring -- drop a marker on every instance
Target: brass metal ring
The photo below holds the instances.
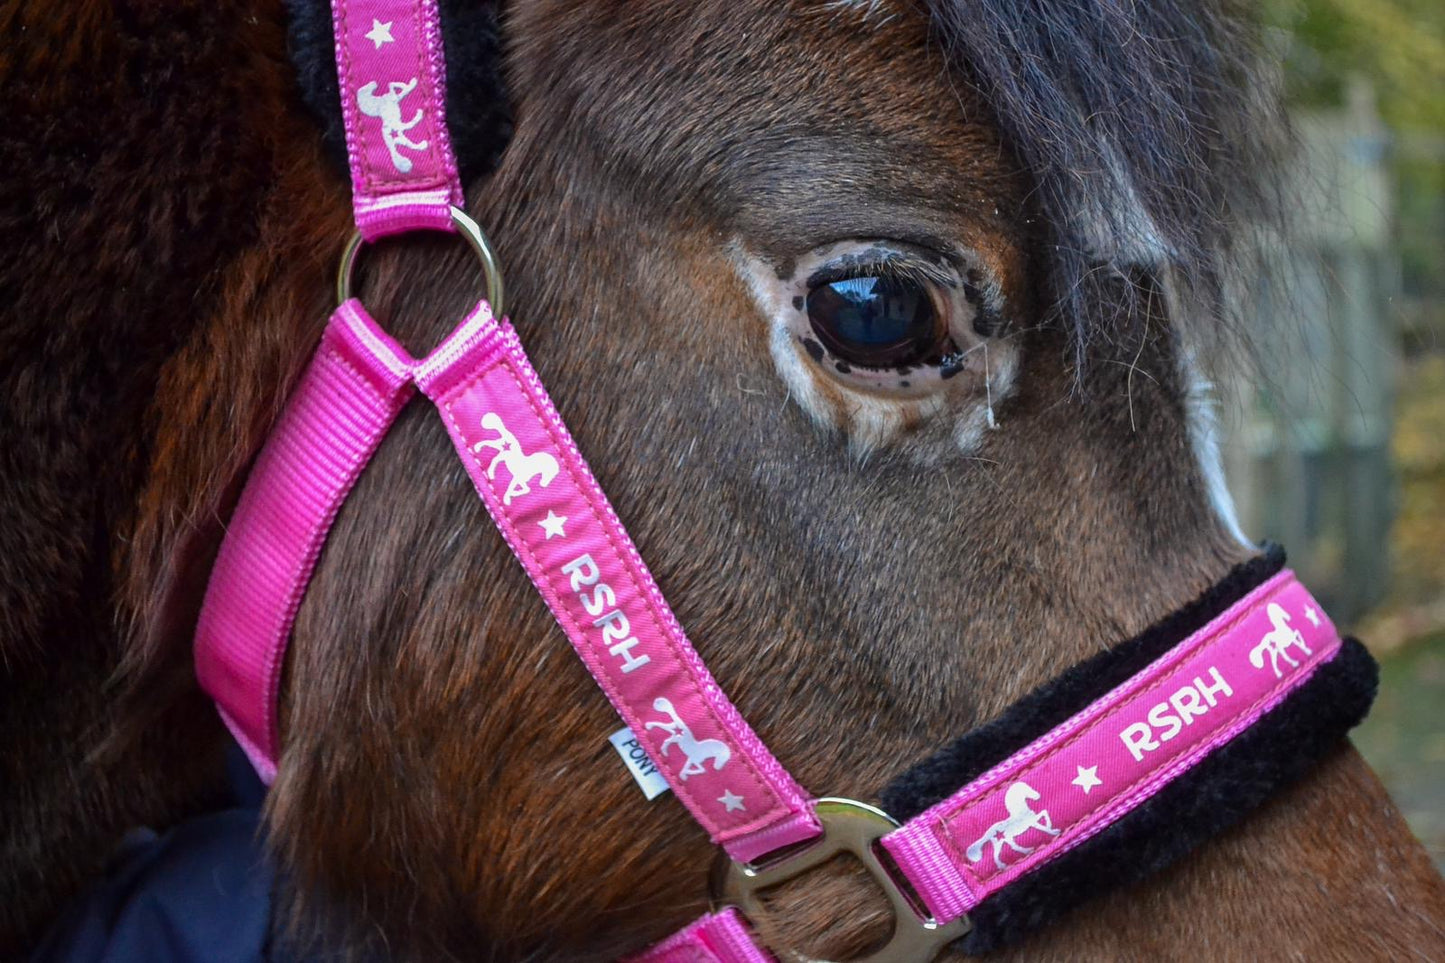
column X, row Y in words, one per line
column 467, row 228
column 848, row 827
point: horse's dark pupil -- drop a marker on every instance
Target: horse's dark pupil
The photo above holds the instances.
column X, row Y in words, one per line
column 875, row 321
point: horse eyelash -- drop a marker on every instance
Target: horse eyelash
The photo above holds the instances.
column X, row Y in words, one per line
column 897, row 265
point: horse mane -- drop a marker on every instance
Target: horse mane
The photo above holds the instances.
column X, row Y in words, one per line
column 1152, row 132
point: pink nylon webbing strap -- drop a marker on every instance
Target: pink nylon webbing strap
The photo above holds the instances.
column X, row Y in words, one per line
column 556, row 520
column 715, row 938
column 348, row 397
column 1088, row 772
column 392, row 77
column 561, row 527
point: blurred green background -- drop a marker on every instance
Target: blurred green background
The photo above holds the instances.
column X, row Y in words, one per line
column 1335, row 433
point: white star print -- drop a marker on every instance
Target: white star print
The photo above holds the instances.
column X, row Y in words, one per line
column 1087, row 778
column 553, row 523
column 732, row 801
column 380, row 33
column 1313, row 616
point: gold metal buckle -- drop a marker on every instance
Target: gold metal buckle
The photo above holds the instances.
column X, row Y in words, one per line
column 848, row 827
column 467, row 228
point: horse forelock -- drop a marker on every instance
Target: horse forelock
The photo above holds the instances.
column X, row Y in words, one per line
column 1152, row 132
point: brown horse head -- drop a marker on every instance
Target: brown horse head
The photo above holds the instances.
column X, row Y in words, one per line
column 876, row 543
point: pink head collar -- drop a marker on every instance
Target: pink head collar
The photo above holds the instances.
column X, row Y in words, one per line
column 1045, row 803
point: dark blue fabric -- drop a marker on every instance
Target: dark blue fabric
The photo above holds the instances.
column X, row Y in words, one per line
column 198, row 893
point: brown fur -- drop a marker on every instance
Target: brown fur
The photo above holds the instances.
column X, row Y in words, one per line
column 136, row 157
column 446, row 790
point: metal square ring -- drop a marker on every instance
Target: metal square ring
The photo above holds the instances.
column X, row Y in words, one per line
column 848, row 827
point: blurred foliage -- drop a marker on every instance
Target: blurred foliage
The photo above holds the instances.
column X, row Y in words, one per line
column 1415, row 605
column 1419, row 441
column 1399, row 45
column 1404, row 738
column 1418, row 450
column 1420, row 186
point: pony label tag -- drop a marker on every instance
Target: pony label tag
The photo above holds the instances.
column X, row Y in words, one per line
column 649, row 779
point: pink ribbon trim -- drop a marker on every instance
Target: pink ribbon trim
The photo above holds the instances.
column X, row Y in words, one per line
column 1088, row 772
column 392, row 78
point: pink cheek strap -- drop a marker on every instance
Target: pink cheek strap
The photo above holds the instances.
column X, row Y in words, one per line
column 560, row 526
column 552, row 514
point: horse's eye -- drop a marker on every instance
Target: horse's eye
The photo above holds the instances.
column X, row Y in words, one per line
column 877, row 321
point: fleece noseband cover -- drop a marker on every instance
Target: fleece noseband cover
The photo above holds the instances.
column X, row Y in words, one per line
column 1206, row 800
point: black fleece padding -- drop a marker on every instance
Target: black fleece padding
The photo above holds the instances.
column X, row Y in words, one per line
column 1212, row 796
column 478, row 114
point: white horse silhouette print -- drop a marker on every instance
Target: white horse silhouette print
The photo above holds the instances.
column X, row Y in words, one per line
column 521, row 466
column 387, row 108
column 1277, row 641
column 697, row 751
column 1020, row 819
